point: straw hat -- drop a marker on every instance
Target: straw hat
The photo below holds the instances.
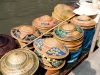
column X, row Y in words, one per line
column 73, row 43
column 44, row 23
column 7, row 43
column 86, row 9
column 51, row 48
column 24, row 33
column 83, row 21
column 19, row 62
column 68, row 32
column 50, row 63
column 63, row 11
column 55, row 16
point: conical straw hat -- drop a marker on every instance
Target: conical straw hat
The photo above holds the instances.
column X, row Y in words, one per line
column 68, row 32
column 24, row 33
column 51, row 48
column 83, row 21
column 19, row 62
column 63, row 11
column 44, row 22
column 55, row 16
column 50, row 63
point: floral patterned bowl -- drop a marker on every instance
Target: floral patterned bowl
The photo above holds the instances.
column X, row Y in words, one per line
column 24, row 33
column 19, row 62
column 68, row 32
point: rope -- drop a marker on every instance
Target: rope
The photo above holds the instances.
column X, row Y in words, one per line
column 47, row 31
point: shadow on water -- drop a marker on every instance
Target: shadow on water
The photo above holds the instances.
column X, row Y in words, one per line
column 18, row 12
column 84, row 69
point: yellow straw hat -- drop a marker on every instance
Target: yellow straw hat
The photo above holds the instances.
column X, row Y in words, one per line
column 19, row 62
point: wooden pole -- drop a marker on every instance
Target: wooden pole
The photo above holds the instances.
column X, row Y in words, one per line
column 48, row 31
column 95, row 37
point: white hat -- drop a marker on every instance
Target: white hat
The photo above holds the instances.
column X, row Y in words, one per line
column 86, row 8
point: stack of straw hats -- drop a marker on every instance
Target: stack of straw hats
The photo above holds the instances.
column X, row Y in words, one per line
column 7, row 43
column 24, row 34
column 62, row 12
column 19, row 62
column 51, row 53
column 43, row 24
column 70, row 35
column 83, row 21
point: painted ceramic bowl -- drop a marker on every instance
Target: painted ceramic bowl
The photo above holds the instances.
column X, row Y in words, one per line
column 83, row 21
column 51, row 48
column 63, row 11
column 24, row 33
column 68, row 32
column 50, row 63
column 44, row 23
column 7, row 43
column 19, row 62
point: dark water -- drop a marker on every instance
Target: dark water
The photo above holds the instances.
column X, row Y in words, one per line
column 18, row 12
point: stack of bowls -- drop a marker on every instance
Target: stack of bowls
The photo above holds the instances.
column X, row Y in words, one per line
column 71, row 36
column 51, row 53
column 88, row 25
column 7, row 43
column 24, row 34
column 19, row 62
column 62, row 12
column 43, row 24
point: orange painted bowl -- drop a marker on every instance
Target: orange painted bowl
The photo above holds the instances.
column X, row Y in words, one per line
column 83, row 21
column 63, row 11
column 19, row 62
column 51, row 48
column 24, row 33
column 7, row 43
column 50, row 63
column 68, row 32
